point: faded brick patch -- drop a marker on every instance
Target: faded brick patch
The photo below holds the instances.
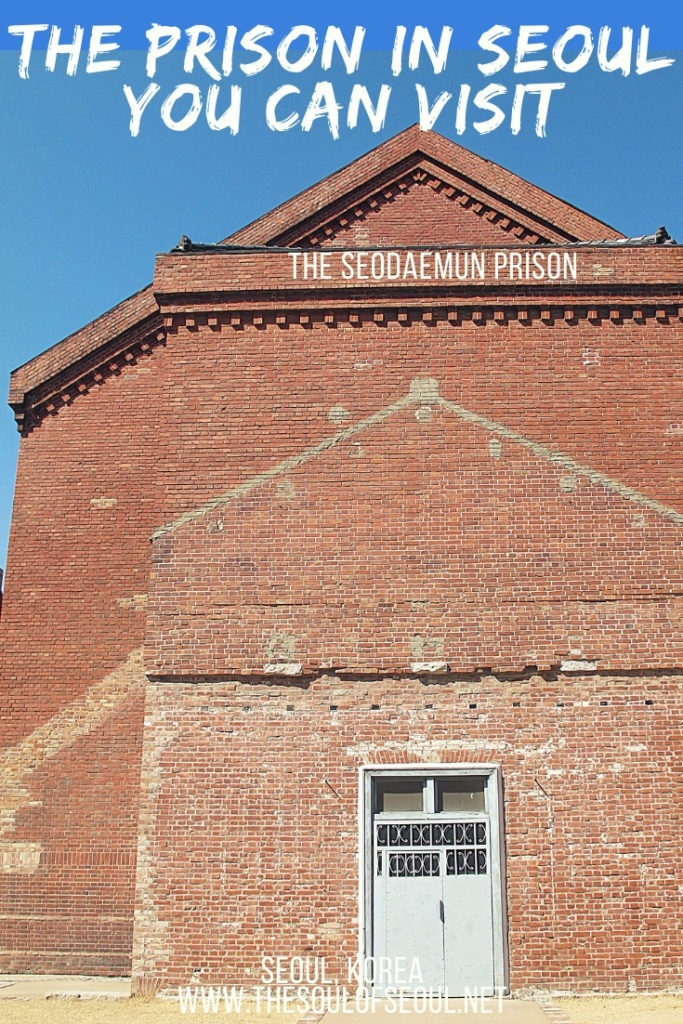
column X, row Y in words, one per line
column 60, row 732
column 19, row 858
column 136, row 603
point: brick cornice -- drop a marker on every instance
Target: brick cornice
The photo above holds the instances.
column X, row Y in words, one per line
column 115, row 322
column 515, row 225
column 477, row 311
column 218, row 289
column 89, row 371
column 85, row 358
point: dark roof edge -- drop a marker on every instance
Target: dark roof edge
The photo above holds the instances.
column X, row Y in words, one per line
column 185, row 245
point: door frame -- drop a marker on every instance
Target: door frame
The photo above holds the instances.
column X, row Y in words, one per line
column 494, row 789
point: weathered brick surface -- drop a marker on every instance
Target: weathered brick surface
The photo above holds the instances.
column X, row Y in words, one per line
column 562, row 385
column 266, row 778
column 71, row 725
column 73, row 913
column 521, row 506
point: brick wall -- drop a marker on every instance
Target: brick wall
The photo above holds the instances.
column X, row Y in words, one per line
column 423, row 525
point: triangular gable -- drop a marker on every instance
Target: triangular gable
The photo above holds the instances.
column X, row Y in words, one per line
column 468, row 186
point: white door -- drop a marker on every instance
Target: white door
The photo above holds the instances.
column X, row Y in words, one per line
column 433, row 909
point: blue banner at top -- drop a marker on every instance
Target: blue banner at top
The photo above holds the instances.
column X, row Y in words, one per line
column 467, row 20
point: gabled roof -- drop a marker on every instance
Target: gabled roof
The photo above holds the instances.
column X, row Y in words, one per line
column 317, row 210
column 492, row 202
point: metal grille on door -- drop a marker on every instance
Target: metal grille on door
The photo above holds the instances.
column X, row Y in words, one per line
column 409, row 850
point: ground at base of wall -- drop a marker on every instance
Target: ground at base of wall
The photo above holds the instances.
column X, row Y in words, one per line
column 68, row 1010
column 664, row 1009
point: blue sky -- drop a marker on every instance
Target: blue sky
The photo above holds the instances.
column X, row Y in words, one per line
column 85, row 206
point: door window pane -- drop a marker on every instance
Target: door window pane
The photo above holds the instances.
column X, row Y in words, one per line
column 461, row 793
column 400, row 794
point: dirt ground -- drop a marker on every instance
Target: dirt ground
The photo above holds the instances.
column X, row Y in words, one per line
column 588, row 1010
column 117, row 1011
column 623, row 1009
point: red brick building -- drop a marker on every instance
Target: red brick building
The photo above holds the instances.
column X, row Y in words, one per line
column 398, row 673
